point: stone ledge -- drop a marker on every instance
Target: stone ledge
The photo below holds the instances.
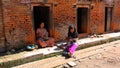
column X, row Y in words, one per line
column 50, row 52
column 81, row 54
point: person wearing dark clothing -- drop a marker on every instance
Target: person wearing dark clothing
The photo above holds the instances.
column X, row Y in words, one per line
column 71, row 41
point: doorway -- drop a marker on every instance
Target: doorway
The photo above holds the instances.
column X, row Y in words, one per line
column 108, row 18
column 41, row 14
column 82, row 20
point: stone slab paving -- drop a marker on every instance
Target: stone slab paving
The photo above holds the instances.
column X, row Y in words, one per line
column 110, row 58
column 80, row 55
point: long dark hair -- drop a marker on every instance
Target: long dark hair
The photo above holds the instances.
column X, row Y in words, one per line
column 72, row 35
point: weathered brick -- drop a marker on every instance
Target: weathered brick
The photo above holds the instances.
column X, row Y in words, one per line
column 2, row 45
column 18, row 19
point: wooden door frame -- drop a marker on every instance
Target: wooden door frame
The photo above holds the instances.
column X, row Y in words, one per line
column 51, row 22
column 110, row 29
column 83, row 6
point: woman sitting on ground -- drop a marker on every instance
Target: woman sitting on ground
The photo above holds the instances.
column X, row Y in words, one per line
column 71, row 40
column 42, row 37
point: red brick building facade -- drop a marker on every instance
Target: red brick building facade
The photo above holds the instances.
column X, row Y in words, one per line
column 19, row 19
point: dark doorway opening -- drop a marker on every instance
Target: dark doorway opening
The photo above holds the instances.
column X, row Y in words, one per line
column 82, row 20
column 108, row 18
column 41, row 14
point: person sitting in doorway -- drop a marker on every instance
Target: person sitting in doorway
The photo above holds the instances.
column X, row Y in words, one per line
column 42, row 37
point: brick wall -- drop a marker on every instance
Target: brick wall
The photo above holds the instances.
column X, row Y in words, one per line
column 19, row 27
column 2, row 46
column 97, row 18
column 116, row 16
column 18, row 23
column 64, row 15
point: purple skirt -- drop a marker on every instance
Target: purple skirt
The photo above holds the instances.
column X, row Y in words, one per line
column 72, row 48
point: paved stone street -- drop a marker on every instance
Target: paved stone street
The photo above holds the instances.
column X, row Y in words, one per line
column 109, row 58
